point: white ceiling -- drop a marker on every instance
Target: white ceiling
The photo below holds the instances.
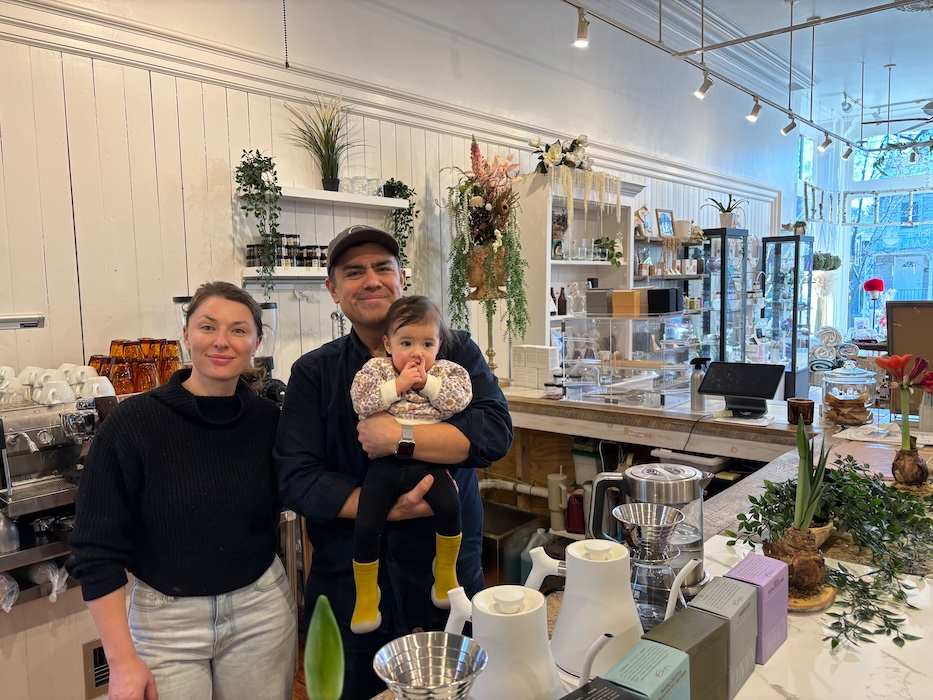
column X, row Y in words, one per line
column 837, row 51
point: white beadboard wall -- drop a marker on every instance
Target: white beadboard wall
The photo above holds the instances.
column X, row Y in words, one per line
column 118, row 142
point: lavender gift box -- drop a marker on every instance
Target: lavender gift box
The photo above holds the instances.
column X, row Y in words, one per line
column 769, row 576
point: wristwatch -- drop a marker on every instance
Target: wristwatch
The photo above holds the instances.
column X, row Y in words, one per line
column 406, row 446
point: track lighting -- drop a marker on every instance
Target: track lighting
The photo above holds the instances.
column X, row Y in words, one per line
column 583, row 25
column 701, row 91
column 826, row 144
column 753, row 115
column 845, row 156
column 790, row 127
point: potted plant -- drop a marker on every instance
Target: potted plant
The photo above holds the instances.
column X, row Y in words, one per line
column 485, row 246
column 891, row 527
column 401, row 222
column 321, row 127
column 608, row 246
column 727, row 210
column 826, row 262
column 909, row 467
column 259, row 193
column 800, row 228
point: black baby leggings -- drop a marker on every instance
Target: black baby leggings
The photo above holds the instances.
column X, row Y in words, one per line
column 388, row 478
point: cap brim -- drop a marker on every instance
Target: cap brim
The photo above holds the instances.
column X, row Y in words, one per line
column 358, row 235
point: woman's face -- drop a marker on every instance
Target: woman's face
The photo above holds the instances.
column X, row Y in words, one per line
column 222, row 337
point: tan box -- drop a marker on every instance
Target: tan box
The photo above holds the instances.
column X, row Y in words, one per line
column 629, row 302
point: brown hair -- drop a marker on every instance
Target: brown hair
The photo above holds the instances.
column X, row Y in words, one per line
column 416, row 309
column 227, row 291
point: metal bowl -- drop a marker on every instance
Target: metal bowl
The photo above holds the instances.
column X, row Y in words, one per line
column 430, row 665
column 648, row 526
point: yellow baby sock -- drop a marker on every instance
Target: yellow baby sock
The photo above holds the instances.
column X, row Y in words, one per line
column 445, row 569
column 366, row 615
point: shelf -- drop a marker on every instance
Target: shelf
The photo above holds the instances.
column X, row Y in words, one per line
column 354, row 200
column 584, row 263
column 644, row 278
column 295, row 274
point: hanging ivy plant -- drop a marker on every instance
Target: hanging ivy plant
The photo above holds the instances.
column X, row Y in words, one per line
column 401, row 222
column 259, row 193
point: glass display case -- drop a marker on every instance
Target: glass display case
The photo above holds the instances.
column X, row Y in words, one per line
column 632, row 361
column 723, row 292
column 785, row 319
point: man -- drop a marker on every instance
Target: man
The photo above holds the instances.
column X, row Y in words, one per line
column 322, row 452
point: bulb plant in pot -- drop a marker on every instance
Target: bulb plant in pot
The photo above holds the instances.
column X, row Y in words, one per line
column 728, row 210
column 259, row 192
column 909, row 467
column 321, row 127
column 485, row 246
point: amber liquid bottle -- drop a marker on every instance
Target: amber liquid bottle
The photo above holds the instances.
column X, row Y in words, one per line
column 561, row 303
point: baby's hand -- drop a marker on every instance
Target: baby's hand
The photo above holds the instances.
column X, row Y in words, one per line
column 410, row 377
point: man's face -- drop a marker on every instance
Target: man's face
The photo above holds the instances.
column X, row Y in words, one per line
column 367, row 279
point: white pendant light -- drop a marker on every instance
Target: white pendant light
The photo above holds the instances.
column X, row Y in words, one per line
column 701, row 91
column 753, row 115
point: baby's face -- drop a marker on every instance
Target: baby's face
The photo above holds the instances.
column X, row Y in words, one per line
column 417, row 342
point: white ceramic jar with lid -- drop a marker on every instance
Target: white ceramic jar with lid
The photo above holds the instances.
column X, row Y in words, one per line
column 848, row 395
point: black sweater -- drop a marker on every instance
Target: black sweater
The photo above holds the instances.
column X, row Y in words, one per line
column 182, row 498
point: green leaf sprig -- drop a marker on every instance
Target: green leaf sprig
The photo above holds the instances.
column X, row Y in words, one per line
column 323, row 654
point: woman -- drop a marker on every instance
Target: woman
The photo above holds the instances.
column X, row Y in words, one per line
column 179, row 489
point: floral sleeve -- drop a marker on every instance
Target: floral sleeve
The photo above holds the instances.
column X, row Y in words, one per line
column 455, row 391
column 366, row 390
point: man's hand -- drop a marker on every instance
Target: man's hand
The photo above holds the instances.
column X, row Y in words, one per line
column 379, row 434
column 412, row 376
column 412, row 504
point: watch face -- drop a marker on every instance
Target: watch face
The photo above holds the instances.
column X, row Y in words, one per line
column 405, row 450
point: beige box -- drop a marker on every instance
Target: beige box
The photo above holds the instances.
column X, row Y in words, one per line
column 518, row 356
column 629, row 302
column 690, row 266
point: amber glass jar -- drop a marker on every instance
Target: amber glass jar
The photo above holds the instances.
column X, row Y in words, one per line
column 169, row 360
column 121, row 377
column 146, row 376
column 116, row 348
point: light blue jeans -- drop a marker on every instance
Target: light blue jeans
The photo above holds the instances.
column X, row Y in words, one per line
column 235, row 646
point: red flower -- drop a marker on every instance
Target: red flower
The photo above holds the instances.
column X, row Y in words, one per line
column 895, row 364
column 926, row 384
column 920, row 366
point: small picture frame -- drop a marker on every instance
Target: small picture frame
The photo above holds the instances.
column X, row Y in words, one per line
column 665, row 219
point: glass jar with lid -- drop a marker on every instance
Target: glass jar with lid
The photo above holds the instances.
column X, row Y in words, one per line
column 848, row 395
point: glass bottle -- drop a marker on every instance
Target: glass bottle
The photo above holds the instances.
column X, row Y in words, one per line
column 561, row 303
column 553, row 303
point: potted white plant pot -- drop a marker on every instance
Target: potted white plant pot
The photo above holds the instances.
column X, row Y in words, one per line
column 727, row 219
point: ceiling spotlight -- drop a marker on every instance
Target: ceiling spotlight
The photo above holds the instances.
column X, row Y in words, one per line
column 701, row 91
column 913, row 156
column 753, row 115
column 826, row 144
column 790, row 127
column 845, row 156
column 583, row 25
column 846, row 105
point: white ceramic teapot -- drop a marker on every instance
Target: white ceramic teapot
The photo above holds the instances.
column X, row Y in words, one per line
column 597, row 601
column 510, row 622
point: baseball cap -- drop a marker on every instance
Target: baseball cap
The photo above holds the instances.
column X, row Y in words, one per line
column 358, row 235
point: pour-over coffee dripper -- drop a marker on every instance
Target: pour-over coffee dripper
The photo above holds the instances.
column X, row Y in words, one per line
column 430, row 666
column 648, row 529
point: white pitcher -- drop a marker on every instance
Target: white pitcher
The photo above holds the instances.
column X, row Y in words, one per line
column 597, row 601
column 510, row 622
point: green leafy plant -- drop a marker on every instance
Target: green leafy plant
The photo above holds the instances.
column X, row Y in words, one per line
column 810, row 484
column 320, row 126
column 727, row 207
column 826, row 262
column 401, row 222
column 324, row 661
column 615, row 257
column 800, row 225
column 259, row 192
column 887, row 524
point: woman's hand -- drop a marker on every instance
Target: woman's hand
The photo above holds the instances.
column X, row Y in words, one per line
column 132, row 680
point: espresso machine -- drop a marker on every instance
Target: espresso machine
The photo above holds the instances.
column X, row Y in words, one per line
column 41, row 448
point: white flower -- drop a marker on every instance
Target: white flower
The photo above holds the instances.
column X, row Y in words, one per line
column 535, row 142
column 497, row 243
column 477, row 201
column 552, row 155
column 570, row 159
column 488, row 206
column 582, row 140
column 587, row 163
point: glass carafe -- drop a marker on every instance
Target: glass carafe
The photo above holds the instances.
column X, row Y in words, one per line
column 652, row 580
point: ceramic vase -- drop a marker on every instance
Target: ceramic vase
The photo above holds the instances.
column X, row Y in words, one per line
column 477, row 276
